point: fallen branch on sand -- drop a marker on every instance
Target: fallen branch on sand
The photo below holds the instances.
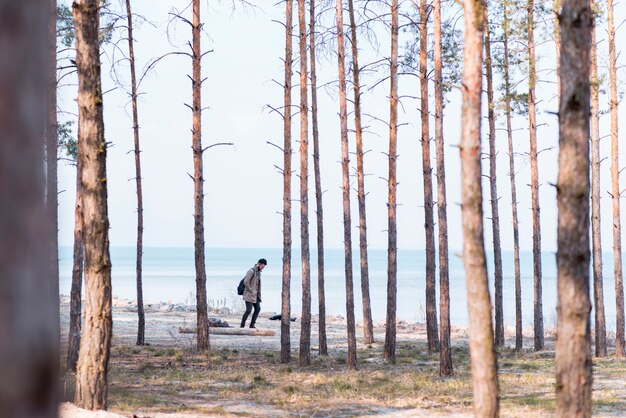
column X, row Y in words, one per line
column 257, row 332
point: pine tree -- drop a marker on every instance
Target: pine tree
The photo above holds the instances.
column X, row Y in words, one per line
column 285, row 324
column 368, row 325
column 392, row 245
column 620, row 348
column 445, row 352
column 598, row 288
column 305, row 330
column 483, row 358
column 429, row 222
column 573, row 343
column 495, row 214
column 534, row 179
column 323, row 346
column 91, row 373
column 345, row 169
column 141, row 325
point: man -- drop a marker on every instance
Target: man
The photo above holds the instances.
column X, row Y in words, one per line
column 252, row 292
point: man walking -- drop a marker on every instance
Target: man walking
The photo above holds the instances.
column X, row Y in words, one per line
column 252, row 292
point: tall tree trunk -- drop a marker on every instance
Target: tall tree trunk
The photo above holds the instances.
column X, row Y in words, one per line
column 557, row 45
column 29, row 344
column 392, row 244
column 305, row 330
column 429, row 222
column 198, row 185
column 141, row 326
column 285, row 324
column 445, row 352
column 534, row 181
column 345, row 170
column 73, row 336
column 495, row 213
column 573, row 343
column 598, row 288
column 91, row 374
column 368, row 325
column 620, row 349
column 52, row 145
column 323, row 345
column 483, row 356
column 509, row 129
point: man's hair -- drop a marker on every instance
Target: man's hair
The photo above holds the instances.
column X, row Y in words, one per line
column 262, row 261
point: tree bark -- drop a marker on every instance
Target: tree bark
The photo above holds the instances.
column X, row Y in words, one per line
column 285, row 324
column 573, row 344
column 198, row 184
column 305, row 329
column 495, row 213
column 598, row 288
column 91, row 374
column 345, row 170
column 323, row 345
column 29, row 344
column 429, row 222
column 392, row 244
column 534, row 182
column 509, row 130
column 73, row 336
column 620, row 349
column 141, row 325
column 482, row 353
column 368, row 325
column 445, row 352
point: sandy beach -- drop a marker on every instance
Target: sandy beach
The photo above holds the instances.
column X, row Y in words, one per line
column 169, row 379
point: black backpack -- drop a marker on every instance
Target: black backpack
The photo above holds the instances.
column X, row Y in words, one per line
column 242, row 286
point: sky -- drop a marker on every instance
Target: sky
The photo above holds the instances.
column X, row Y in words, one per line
column 243, row 186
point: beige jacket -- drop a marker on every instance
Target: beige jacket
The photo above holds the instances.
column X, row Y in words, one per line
column 252, row 283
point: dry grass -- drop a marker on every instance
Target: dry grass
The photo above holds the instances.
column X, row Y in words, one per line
column 151, row 379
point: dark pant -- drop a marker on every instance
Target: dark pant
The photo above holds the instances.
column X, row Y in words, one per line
column 249, row 306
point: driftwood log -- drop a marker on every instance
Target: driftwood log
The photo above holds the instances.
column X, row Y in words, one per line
column 257, row 332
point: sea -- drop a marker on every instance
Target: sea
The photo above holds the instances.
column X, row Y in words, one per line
column 169, row 276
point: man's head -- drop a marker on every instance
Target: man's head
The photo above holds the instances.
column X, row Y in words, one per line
column 261, row 263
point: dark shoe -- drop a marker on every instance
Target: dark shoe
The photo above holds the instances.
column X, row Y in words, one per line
column 252, row 326
column 242, row 326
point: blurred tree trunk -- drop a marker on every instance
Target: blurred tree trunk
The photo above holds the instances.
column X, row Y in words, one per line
column 141, row 326
column 483, row 356
column 429, row 222
column 323, row 346
column 495, row 214
column 29, row 344
column 392, row 245
column 534, row 181
column 52, row 144
column 573, row 343
column 91, row 374
column 305, row 329
column 285, row 324
column 198, row 183
column 368, row 326
column 620, row 349
column 445, row 352
column 509, row 129
column 598, row 288
column 345, row 169
column 73, row 336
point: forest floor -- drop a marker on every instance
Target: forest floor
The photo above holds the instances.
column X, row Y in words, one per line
column 243, row 375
